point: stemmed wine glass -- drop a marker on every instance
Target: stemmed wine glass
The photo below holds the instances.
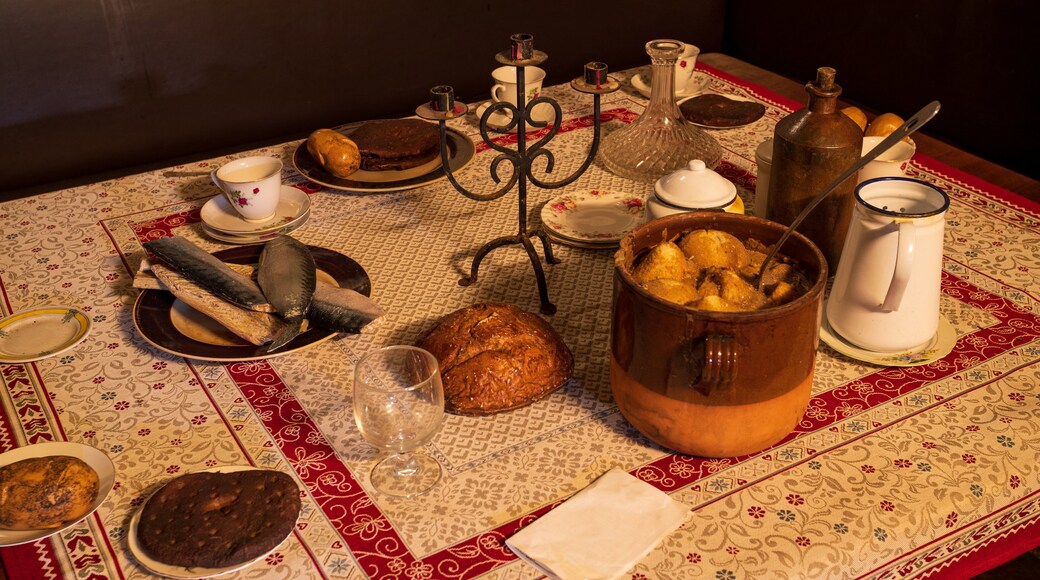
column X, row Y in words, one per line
column 398, row 406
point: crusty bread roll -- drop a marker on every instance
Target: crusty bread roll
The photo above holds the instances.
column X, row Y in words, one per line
column 46, row 492
column 496, row 357
column 337, row 153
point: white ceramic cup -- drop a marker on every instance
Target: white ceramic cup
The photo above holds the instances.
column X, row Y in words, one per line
column 505, row 84
column 885, row 296
column 891, row 163
column 684, row 67
column 252, row 185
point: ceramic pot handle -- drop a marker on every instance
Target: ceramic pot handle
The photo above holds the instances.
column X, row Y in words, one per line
column 904, row 265
column 720, row 363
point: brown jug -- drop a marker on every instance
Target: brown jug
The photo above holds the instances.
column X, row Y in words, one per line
column 812, row 147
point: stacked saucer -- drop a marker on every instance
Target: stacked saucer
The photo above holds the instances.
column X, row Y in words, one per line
column 220, row 221
column 594, row 218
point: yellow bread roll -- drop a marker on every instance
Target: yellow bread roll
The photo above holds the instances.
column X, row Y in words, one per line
column 857, row 115
column 336, row 152
column 883, row 125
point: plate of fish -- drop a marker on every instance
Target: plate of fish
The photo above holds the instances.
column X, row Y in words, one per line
column 208, row 307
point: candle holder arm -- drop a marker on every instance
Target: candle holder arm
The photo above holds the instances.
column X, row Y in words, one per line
column 537, row 150
column 505, row 156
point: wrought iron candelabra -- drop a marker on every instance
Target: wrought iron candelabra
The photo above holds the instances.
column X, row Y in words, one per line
column 442, row 107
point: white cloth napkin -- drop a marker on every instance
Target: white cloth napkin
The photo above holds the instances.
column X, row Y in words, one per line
column 601, row 532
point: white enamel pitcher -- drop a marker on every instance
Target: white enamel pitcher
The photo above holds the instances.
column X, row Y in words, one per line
column 885, row 296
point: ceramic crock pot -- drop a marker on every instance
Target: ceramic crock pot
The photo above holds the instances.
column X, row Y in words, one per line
column 713, row 384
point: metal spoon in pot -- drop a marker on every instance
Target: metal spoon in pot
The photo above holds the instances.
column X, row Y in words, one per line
column 910, row 126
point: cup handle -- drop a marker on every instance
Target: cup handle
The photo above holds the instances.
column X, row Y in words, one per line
column 907, row 237
column 213, row 176
column 494, row 93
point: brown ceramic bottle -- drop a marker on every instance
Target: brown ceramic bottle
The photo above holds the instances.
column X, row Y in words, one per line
column 812, row 147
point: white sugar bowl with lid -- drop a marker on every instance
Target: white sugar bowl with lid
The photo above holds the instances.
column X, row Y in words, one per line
column 693, row 188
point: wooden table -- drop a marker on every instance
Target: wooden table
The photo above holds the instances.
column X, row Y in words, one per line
column 892, row 471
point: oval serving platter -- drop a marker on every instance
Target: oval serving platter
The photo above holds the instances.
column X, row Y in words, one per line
column 461, row 151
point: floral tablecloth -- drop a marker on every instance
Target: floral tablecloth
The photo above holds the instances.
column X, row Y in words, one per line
column 892, row 472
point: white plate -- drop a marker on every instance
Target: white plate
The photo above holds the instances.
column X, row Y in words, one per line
column 594, row 215
column 697, row 85
column 95, row 458
column 169, row 571
column 43, row 332
column 610, row 245
column 218, row 214
column 542, row 112
column 940, row 345
column 258, row 238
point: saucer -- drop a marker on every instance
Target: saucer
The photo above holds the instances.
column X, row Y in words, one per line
column 293, row 205
column 255, row 238
column 697, row 85
column 542, row 112
column 593, row 216
column 941, row 344
column 39, row 333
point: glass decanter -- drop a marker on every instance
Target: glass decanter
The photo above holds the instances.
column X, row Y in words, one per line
column 661, row 140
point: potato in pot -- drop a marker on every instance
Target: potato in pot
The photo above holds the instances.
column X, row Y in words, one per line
column 335, row 152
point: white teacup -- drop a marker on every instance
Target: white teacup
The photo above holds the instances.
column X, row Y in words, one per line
column 505, row 84
column 252, row 186
column 684, row 67
column 891, row 163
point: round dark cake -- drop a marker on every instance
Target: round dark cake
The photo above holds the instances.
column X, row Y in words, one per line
column 396, row 144
column 216, row 520
column 714, row 110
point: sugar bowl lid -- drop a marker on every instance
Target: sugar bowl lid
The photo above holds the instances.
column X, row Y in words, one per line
column 696, row 187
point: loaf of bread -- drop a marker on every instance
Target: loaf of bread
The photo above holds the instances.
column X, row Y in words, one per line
column 496, row 357
column 46, row 492
column 337, row 153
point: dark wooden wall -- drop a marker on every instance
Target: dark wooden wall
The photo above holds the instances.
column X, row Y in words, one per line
column 978, row 58
column 97, row 87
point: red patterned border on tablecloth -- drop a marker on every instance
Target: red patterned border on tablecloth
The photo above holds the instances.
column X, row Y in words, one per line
column 973, row 547
column 39, row 559
column 380, row 550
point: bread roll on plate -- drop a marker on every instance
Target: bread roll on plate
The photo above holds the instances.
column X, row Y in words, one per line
column 337, row 153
